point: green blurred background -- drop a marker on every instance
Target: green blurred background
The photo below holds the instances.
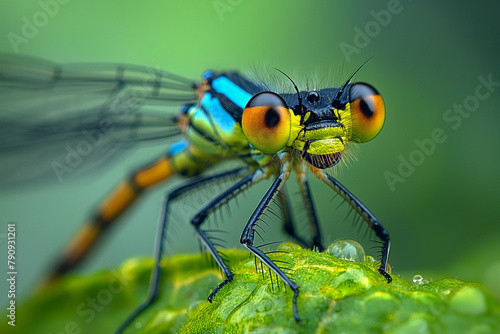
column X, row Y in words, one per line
column 443, row 219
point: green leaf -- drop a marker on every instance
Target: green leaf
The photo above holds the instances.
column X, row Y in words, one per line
column 336, row 296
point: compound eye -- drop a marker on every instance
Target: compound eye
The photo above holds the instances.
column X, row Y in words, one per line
column 266, row 122
column 367, row 112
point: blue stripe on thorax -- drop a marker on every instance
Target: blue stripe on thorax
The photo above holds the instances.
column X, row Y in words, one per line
column 231, row 90
column 220, row 116
column 177, row 147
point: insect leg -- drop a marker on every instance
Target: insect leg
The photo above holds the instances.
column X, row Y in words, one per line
column 366, row 214
column 171, row 197
column 200, row 217
column 247, row 237
column 288, row 223
column 310, row 211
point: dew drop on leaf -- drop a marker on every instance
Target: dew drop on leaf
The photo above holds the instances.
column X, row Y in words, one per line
column 418, row 279
column 347, row 249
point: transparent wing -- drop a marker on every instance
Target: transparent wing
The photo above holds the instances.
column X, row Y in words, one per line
column 79, row 116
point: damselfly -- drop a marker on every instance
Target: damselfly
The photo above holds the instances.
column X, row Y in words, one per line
column 224, row 116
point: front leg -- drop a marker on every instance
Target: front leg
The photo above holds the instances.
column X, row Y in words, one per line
column 247, row 237
column 366, row 214
column 175, row 195
column 215, row 203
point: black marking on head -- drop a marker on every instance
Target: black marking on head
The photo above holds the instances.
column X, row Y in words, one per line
column 326, row 116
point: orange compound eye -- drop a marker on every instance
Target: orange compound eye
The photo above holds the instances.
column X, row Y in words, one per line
column 266, row 122
column 367, row 112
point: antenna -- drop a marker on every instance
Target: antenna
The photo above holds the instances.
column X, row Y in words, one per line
column 341, row 90
column 301, row 107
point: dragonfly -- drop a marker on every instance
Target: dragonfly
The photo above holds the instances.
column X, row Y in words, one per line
column 224, row 116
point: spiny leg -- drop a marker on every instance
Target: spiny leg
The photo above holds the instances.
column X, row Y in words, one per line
column 193, row 185
column 288, row 223
column 305, row 192
column 247, row 237
column 201, row 216
column 365, row 214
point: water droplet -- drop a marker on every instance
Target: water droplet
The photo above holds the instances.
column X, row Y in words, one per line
column 418, row 279
column 347, row 249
